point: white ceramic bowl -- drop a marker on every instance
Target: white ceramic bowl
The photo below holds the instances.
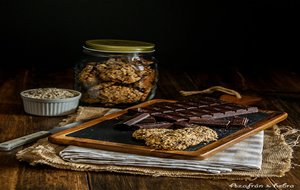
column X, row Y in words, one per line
column 50, row 107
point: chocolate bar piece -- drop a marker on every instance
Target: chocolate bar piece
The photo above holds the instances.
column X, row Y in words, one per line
column 159, row 109
column 169, row 106
column 189, row 113
column 189, row 105
column 207, row 111
column 179, row 114
column 164, row 105
column 182, row 124
column 178, row 107
column 144, row 110
column 220, row 109
column 214, row 112
column 135, row 119
column 239, row 109
column 153, row 125
column 149, row 119
column 169, row 117
column 196, row 112
column 210, row 122
column 223, row 110
column 239, row 121
column 252, row 109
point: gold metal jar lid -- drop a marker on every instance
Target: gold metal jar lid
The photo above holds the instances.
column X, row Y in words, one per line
column 119, row 46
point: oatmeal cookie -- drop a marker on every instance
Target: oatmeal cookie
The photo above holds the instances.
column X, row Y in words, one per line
column 88, row 75
column 120, row 72
column 145, row 85
column 92, row 95
column 119, row 95
column 178, row 139
column 142, row 134
column 95, row 89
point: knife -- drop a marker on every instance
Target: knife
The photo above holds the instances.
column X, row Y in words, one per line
column 14, row 143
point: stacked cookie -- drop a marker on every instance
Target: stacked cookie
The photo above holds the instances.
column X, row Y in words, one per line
column 117, row 81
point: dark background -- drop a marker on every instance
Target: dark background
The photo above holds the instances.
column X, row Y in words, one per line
column 254, row 34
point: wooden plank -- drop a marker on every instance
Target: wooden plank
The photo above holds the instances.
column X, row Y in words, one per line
column 12, row 125
column 43, row 177
column 9, row 170
column 111, row 181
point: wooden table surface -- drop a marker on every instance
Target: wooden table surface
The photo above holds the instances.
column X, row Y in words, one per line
column 280, row 90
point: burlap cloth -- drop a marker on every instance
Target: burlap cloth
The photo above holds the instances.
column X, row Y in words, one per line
column 277, row 155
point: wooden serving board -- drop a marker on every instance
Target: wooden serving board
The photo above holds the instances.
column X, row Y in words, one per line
column 100, row 133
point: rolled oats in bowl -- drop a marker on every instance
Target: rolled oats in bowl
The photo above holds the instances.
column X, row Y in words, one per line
column 50, row 101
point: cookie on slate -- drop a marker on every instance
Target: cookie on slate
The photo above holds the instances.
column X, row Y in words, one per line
column 142, row 134
column 179, row 139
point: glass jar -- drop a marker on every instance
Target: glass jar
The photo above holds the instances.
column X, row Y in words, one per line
column 116, row 72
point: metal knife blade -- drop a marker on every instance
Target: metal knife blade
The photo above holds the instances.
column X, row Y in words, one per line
column 14, row 143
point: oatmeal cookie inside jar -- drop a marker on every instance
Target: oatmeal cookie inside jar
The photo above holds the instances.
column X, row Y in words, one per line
column 116, row 72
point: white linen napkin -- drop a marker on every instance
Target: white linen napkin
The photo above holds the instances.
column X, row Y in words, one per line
column 246, row 155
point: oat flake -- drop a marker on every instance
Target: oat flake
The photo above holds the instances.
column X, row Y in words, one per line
column 49, row 93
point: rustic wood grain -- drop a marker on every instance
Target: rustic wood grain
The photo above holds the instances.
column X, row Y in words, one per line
column 41, row 177
column 123, row 181
column 9, row 170
column 278, row 89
